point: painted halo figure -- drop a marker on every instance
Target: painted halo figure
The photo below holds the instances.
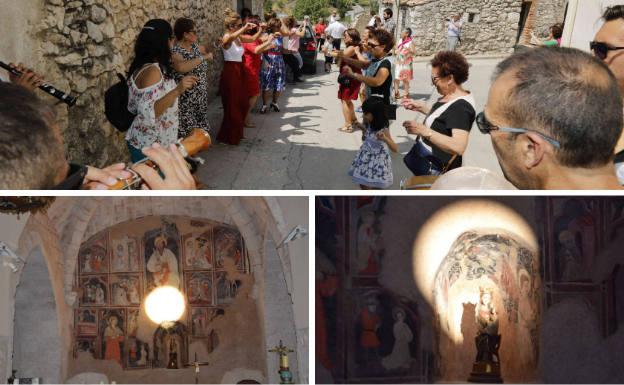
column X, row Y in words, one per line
column 113, row 336
column 163, row 264
column 400, row 357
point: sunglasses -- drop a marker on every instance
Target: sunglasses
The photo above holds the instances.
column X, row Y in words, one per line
column 485, row 126
column 371, row 45
column 601, row 50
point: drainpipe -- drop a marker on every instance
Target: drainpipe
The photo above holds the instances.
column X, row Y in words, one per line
column 568, row 29
column 396, row 29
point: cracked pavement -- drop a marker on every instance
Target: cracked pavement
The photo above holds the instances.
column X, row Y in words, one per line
column 301, row 147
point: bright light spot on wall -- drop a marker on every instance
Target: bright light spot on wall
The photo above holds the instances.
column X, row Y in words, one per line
column 442, row 229
column 165, row 304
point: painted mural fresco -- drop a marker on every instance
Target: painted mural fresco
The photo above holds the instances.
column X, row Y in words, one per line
column 120, row 266
column 583, row 228
column 369, row 242
column 576, row 237
column 496, row 262
column 385, row 339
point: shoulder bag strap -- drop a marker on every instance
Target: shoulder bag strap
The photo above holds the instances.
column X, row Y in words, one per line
column 448, row 165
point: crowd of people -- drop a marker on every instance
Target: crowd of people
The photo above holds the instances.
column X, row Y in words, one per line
column 168, row 97
column 554, row 114
column 544, row 108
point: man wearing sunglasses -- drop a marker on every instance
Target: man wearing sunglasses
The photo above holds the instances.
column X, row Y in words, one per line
column 554, row 116
column 608, row 46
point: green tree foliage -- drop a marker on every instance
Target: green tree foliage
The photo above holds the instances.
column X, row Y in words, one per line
column 313, row 8
column 268, row 5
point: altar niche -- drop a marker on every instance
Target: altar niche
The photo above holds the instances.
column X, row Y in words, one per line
column 485, row 298
column 119, row 266
column 171, row 346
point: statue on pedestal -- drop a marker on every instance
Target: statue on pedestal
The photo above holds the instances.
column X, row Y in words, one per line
column 173, row 354
column 486, row 368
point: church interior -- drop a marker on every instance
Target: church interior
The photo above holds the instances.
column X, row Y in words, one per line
column 153, row 289
column 476, row 289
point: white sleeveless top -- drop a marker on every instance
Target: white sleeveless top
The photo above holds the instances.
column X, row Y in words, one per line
column 234, row 53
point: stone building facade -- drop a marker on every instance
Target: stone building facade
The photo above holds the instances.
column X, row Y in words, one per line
column 80, row 45
column 490, row 26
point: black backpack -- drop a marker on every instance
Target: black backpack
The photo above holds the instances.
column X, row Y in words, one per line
column 116, row 105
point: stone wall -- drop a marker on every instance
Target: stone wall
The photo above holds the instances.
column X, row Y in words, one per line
column 86, row 42
column 493, row 30
column 80, row 45
column 490, row 26
column 549, row 12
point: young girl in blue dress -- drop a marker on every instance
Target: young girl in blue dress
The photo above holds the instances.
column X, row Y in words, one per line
column 372, row 166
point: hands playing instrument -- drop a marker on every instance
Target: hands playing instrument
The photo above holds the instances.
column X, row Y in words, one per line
column 170, row 161
column 29, row 79
column 173, row 166
column 105, row 178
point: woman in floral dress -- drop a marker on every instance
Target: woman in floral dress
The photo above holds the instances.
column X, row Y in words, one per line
column 404, row 58
column 191, row 58
column 153, row 93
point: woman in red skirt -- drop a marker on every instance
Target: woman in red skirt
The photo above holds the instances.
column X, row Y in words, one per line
column 252, row 61
column 349, row 88
column 235, row 103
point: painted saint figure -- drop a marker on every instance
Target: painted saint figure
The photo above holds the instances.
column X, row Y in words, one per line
column 120, row 258
column 400, row 357
column 527, row 317
column 99, row 296
column 113, row 337
column 370, row 322
column 86, row 267
column 163, row 264
column 120, row 293
column 133, row 292
column 133, row 322
column 143, row 359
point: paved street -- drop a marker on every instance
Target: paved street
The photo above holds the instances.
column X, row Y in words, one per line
column 301, row 147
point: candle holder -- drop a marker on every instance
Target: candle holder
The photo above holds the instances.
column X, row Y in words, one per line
column 286, row 376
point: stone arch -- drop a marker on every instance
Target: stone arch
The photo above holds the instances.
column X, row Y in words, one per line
column 76, row 219
column 37, row 348
column 39, row 236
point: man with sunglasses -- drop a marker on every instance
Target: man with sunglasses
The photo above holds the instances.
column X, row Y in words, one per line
column 554, row 116
column 608, row 46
